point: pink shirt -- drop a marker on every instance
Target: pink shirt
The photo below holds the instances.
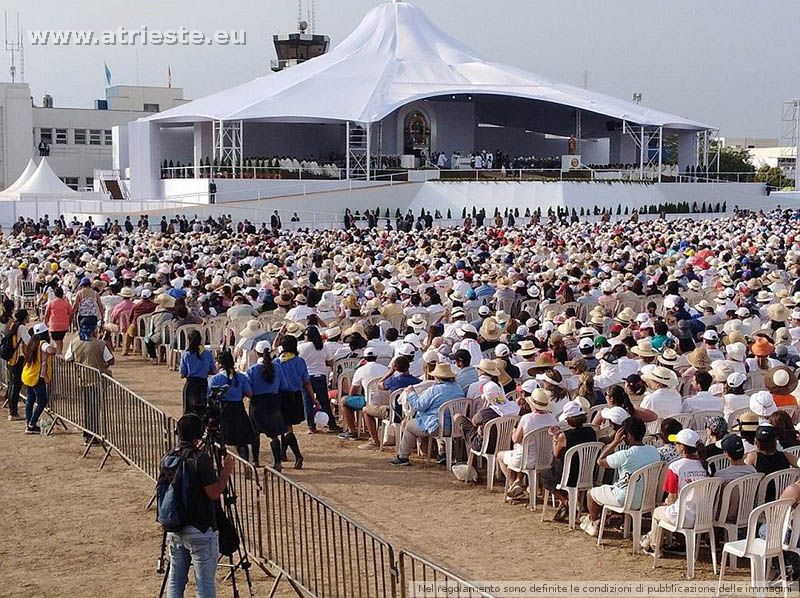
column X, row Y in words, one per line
column 59, row 311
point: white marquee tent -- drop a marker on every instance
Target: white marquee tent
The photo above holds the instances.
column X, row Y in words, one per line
column 21, row 179
column 396, row 56
column 42, row 183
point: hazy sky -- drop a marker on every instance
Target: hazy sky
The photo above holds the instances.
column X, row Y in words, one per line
column 727, row 62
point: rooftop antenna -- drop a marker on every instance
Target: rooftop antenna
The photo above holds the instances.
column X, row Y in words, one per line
column 302, row 25
column 13, row 47
column 313, row 16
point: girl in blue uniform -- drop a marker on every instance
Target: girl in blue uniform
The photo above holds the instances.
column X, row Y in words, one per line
column 235, row 426
column 265, row 404
column 197, row 364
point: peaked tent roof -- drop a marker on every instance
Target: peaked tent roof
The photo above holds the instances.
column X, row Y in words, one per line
column 21, row 179
column 394, row 57
column 44, row 182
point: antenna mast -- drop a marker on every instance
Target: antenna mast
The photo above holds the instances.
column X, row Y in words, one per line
column 14, row 46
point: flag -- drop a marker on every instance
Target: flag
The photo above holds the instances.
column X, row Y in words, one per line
column 169, row 76
column 108, row 74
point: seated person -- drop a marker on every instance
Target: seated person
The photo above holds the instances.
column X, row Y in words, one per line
column 496, row 406
column 426, row 422
column 396, row 377
column 356, row 399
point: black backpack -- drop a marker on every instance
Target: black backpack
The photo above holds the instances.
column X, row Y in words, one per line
column 8, row 346
column 173, row 488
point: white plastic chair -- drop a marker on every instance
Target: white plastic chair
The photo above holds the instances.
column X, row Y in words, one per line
column 793, row 450
column 587, row 453
column 501, row 428
column 462, row 406
column 717, row 462
column 647, row 478
column 391, row 422
column 758, row 550
column 703, row 496
column 735, row 415
column 537, row 455
column 684, row 419
column 699, row 418
column 780, row 480
column 744, row 489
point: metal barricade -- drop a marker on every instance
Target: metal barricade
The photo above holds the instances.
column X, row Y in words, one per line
column 321, row 550
column 434, row 580
column 75, row 394
column 247, row 485
column 137, row 430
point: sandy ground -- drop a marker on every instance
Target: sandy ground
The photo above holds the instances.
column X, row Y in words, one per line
column 71, row 530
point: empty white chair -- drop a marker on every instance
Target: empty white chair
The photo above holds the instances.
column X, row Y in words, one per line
column 462, row 406
column 702, row 494
column 587, row 453
column 501, row 428
column 758, row 550
column 647, row 478
column 793, row 450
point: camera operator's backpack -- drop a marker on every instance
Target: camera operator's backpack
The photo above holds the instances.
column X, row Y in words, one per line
column 172, row 491
column 8, row 346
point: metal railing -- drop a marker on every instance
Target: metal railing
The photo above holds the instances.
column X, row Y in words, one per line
column 321, row 550
column 436, row 581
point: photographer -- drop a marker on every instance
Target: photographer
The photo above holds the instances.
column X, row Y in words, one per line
column 197, row 543
column 235, row 426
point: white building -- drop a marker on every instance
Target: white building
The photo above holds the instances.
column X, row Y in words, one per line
column 80, row 139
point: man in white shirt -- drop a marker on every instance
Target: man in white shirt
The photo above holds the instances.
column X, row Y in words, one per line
column 301, row 311
column 356, row 398
column 710, row 340
column 241, row 309
column 663, row 398
column 442, row 161
column 703, row 400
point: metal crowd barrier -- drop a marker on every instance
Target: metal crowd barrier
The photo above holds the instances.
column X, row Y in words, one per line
column 320, row 550
column 74, row 395
column 419, row 576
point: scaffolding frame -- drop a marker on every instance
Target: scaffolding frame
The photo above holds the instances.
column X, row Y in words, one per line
column 644, row 137
column 359, row 150
column 228, row 143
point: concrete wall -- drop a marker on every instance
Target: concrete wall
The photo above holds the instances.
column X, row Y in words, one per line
column 16, row 125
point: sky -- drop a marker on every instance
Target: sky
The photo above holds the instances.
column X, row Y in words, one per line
column 731, row 63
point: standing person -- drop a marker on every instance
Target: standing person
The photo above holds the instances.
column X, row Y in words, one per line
column 17, row 329
column 265, row 405
column 235, row 425
column 294, row 380
column 57, row 316
column 197, row 364
column 89, row 350
column 36, row 373
column 319, row 360
column 197, row 544
column 87, row 302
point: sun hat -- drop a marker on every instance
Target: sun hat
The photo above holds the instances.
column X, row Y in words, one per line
column 736, row 351
column 502, row 350
column 764, row 296
column 780, row 380
column 333, row 332
column 617, row 415
column 699, row 359
column 39, row 328
column 417, row 321
column 526, row 348
column 443, row 370
column 430, row 356
column 661, row 375
column 746, row 422
column 294, row 329
column 262, row 346
column 762, row 403
column 466, row 329
column 490, row 331
column 165, row 300
column 252, row 330
column 736, row 379
column 539, row 399
column 572, row 408
column 778, row 312
column 669, row 357
column 761, row 347
column 488, row 366
column 686, row 437
column 126, row 292
column 492, row 392
column 644, row 348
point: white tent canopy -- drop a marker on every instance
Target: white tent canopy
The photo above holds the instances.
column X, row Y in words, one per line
column 21, row 179
column 394, row 57
column 44, row 183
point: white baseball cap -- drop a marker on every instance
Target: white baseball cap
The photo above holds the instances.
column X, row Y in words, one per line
column 370, row 352
column 686, row 437
column 502, row 350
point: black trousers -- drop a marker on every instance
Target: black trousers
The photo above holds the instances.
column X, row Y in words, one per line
column 14, row 386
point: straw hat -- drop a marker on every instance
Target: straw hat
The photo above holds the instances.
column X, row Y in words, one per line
column 661, row 375
column 764, row 296
column 501, row 317
column 489, row 367
column 669, row 357
column 490, row 331
column 526, row 348
column 443, row 371
column 778, row 312
column 746, row 422
column 720, row 370
column 539, row 399
column 165, row 300
column 780, row 380
column 417, row 321
column 294, row 329
column 626, row 315
column 252, row 330
column 699, row 359
column 644, row 348
column 504, row 377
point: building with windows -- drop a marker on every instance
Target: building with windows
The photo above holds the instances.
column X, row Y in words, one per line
column 79, row 139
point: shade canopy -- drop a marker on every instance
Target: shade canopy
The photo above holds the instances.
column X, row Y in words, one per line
column 44, row 183
column 21, row 179
column 394, row 57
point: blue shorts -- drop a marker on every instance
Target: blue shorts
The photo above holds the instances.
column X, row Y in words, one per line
column 355, row 402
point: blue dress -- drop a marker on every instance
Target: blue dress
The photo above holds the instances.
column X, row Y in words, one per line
column 294, row 376
column 235, row 425
column 265, row 405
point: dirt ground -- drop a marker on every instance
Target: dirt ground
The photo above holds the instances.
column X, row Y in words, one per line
column 71, row 530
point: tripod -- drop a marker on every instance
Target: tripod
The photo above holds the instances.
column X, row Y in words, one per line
column 215, row 448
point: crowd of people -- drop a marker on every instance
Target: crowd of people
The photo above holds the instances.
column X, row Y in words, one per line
column 621, row 332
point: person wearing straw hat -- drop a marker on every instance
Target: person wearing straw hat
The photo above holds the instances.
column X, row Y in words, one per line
column 663, row 398
column 539, row 417
column 781, row 382
column 488, row 371
column 356, row 396
column 426, row 422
